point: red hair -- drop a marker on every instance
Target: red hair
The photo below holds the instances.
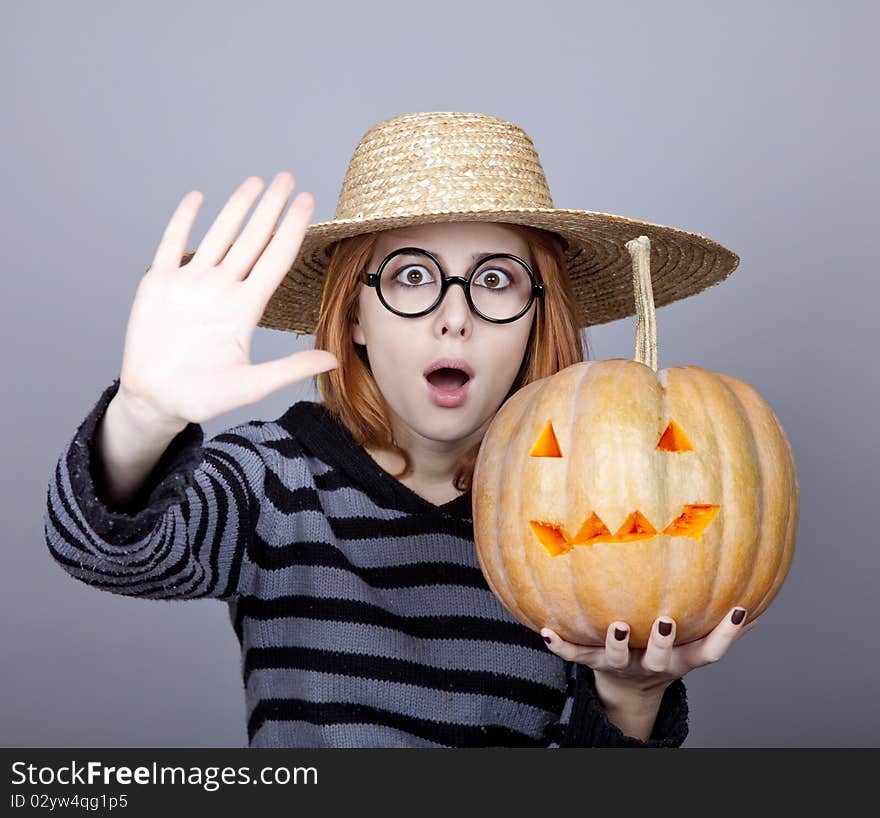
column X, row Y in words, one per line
column 350, row 391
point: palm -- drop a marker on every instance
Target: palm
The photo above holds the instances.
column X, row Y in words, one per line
column 188, row 340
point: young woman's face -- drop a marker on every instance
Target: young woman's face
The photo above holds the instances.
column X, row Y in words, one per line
column 400, row 350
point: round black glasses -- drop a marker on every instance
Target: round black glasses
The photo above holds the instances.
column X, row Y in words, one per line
column 500, row 287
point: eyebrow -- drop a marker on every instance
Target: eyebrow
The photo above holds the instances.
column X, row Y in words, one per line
column 473, row 256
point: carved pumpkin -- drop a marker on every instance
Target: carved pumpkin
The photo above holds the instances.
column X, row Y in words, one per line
column 610, row 491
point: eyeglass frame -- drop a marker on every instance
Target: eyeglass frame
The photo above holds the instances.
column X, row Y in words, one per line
column 537, row 291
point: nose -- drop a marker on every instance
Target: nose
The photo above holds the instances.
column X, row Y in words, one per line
column 454, row 313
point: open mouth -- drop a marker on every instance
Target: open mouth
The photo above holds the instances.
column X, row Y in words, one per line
column 447, row 379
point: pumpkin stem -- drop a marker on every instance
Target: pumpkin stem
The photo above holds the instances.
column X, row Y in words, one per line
column 646, row 317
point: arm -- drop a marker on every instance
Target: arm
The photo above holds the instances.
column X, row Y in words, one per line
column 585, row 722
column 632, row 711
column 186, row 533
column 127, row 446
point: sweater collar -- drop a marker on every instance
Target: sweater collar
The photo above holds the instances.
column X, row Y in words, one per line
column 324, row 435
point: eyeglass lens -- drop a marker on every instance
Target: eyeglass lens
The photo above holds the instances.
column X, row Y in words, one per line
column 500, row 287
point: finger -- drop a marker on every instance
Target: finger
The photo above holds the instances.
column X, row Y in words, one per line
column 172, row 245
column 277, row 259
column 569, row 651
column 721, row 637
column 617, row 645
column 258, row 381
column 249, row 246
column 658, row 653
column 223, row 231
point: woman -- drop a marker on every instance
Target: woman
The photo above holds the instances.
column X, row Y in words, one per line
column 341, row 534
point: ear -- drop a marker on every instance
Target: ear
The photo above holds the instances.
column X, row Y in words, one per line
column 357, row 333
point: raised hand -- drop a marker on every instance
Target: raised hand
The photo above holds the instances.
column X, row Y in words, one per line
column 187, row 344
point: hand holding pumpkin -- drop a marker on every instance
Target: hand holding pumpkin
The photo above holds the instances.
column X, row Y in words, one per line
column 654, row 668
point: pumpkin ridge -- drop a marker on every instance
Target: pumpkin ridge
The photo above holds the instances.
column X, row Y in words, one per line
column 699, row 379
column 752, row 419
column 539, row 597
column 577, row 401
column 666, row 466
column 691, row 378
column 750, row 410
column 506, row 559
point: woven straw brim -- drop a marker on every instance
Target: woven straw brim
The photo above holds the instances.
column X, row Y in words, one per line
column 600, row 268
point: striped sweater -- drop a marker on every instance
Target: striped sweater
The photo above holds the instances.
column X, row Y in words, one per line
column 362, row 614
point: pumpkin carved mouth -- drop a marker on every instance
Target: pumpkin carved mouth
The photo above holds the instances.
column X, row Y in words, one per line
column 690, row 523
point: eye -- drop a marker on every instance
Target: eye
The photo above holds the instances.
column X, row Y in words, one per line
column 416, row 275
column 495, row 279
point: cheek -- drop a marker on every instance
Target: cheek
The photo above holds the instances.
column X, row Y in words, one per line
column 521, row 341
column 389, row 347
column 508, row 350
column 373, row 322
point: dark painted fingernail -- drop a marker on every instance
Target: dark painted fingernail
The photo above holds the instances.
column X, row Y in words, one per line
column 737, row 616
column 620, row 634
column 664, row 627
column 547, row 639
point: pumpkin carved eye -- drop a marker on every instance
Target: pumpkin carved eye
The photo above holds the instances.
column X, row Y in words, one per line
column 692, row 521
column 546, row 445
column 674, row 439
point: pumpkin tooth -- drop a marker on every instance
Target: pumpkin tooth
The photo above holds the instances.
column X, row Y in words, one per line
column 692, row 522
column 591, row 531
column 636, row 524
column 552, row 537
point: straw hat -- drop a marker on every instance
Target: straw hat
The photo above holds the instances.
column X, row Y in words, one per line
column 449, row 166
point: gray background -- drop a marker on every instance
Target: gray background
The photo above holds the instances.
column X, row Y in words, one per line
column 752, row 123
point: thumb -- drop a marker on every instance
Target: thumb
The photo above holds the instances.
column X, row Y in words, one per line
column 261, row 380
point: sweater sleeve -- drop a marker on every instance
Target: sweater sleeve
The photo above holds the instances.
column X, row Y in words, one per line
column 584, row 723
column 187, row 533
